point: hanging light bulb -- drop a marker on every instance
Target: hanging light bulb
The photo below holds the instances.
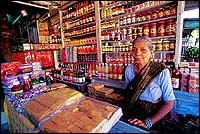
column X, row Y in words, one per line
column 23, row 13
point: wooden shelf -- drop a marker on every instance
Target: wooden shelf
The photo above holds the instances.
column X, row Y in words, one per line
column 112, row 5
column 73, row 18
column 139, row 23
column 164, row 52
column 75, row 36
column 153, row 38
column 87, row 53
column 78, row 45
column 139, row 11
column 82, row 25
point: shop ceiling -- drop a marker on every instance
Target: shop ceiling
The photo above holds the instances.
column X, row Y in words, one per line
column 13, row 8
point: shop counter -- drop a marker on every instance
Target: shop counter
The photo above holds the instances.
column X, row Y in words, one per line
column 186, row 103
column 18, row 123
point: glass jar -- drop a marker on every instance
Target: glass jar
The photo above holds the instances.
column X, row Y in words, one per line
column 148, row 16
column 143, row 17
column 156, row 3
column 124, row 20
column 138, row 18
column 154, row 46
column 165, row 46
column 171, row 45
column 170, row 27
column 159, row 46
column 133, row 19
column 145, row 30
column 110, row 71
column 27, row 85
column 139, row 30
column 167, row 11
column 153, row 28
column 161, row 28
column 161, row 13
column 154, row 15
column 128, row 20
column 173, row 10
column 121, row 22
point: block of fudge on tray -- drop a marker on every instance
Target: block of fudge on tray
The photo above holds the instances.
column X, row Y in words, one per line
column 86, row 116
column 49, row 102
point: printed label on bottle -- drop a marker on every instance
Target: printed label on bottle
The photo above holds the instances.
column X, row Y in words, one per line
column 175, row 82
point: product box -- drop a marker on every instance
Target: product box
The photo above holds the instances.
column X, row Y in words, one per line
column 193, row 83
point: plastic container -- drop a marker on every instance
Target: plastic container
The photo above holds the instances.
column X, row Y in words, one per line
column 25, row 68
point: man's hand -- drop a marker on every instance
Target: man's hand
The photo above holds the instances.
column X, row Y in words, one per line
column 137, row 122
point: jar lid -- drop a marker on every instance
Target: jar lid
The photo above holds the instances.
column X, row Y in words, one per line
column 154, row 23
column 170, row 20
column 161, row 22
column 146, row 24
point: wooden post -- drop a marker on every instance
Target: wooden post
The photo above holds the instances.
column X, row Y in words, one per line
column 179, row 31
column 98, row 31
column 61, row 29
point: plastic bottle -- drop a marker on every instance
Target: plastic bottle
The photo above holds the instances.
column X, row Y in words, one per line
column 27, row 85
column 34, row 81
column 175, row 77
column 49, row 79
column 41, row 78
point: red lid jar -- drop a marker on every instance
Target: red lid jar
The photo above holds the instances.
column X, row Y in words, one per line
column 170, row 27
column 153, row 27
column 145, row 30
column 154, row 15
column 173, row 10
column 161, row 28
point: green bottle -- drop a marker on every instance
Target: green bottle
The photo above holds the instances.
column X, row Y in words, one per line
column 34, row 81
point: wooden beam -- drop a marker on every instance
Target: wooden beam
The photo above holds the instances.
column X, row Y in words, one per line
column 98, row 30
column 179, row 31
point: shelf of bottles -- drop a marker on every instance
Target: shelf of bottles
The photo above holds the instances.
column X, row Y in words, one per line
column 79, row 27
column 123, row 21
column 75, row 72
column 55, row 34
